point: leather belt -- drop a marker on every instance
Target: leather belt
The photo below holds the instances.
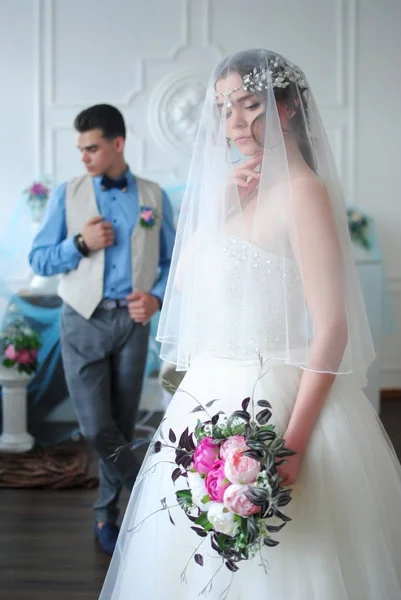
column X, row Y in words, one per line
column 109, row 304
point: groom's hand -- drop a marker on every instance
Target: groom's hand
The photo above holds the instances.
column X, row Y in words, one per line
column 142, row 306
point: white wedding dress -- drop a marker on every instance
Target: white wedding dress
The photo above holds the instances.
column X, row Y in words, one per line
column 344, row 540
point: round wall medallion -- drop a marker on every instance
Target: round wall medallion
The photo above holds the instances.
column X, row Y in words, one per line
column 174, row 110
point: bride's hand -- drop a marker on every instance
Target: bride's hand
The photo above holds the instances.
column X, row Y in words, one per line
column 245, row 178
column 289, row 471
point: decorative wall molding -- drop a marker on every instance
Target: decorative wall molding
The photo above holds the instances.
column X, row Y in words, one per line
column 174, row 110
column 38, row 96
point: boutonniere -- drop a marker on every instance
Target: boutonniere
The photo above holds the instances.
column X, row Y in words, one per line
column 148, row 217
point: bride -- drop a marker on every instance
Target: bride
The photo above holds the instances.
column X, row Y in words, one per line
column 263, row 299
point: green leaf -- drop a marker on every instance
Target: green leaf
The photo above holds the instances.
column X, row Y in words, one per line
column 184, row 495
column 8, row 363
column 205, row 499
column 204, row 522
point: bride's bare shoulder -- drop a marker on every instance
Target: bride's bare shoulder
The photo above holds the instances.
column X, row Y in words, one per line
column 309, row 188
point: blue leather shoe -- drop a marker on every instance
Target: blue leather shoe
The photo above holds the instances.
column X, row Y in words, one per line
column 107, row 536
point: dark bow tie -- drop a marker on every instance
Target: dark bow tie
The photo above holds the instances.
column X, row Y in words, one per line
column 107, row 183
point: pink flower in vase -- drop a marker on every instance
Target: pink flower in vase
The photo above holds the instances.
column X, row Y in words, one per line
column 11, row 353
column 38, row 189
column 24, row 357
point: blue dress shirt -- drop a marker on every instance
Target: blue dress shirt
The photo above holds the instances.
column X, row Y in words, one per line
column 53, row 252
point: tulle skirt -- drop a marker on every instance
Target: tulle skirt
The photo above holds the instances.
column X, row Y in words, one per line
column 344, row 539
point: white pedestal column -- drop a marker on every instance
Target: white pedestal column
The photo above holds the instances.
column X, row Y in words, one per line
column 15, row 437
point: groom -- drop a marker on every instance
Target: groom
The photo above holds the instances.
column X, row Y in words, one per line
column 109, row 234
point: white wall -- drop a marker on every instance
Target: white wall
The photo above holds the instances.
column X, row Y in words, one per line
column 152, row 58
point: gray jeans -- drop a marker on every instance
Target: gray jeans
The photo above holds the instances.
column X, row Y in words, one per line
column 104, row 361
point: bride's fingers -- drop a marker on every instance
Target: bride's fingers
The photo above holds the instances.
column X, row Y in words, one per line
column 252, row 184
column 247, row 173
column 253, row 162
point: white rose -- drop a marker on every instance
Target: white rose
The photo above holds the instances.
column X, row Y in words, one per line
column 222, row 519
column 198, row 490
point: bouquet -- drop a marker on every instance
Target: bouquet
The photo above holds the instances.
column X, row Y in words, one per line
column 232, row 494
column 20, row 347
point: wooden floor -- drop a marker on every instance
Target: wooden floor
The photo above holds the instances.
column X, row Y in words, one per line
column 48, row 550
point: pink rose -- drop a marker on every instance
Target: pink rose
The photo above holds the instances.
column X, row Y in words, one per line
column 236, row 501
column 216, row 482
column 24, row 357
column 241, row 469
column 11, row 352
column 235, row 442
column 205, row 455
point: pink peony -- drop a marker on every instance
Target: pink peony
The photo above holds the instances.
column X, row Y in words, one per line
column 24, row 357
column 235, row 442
column 216, row 482
column 205, row 455
column 236, row 501
column 241, row 469
column 11, row 353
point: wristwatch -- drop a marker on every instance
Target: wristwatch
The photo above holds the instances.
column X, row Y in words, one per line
column 81, row 245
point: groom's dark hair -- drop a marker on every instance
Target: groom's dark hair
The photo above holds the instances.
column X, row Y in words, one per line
column 101, row 116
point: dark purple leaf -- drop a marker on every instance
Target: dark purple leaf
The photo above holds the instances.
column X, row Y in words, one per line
column 176, row 474
column 158, row 446
column 209, row 404
column 271, row 543
column 231, row 566
column 264, row 436
column 263, row 416
column 184, row 439
column 215, row 419
column 191, row 443
column 187, row 461
column 282, row 516
column 172, row 437
column 171, row 518
column 241, row 414
column 197, row 409
column 214, row 544
column 245, row 404
column 274, row 528
column 252, row 454
column 181, row 457
column 264, row 403
column 252, row 526
column 285, row 452
column 254, row 445
column 199, row 559
column 200, row 532
column 192, row 518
